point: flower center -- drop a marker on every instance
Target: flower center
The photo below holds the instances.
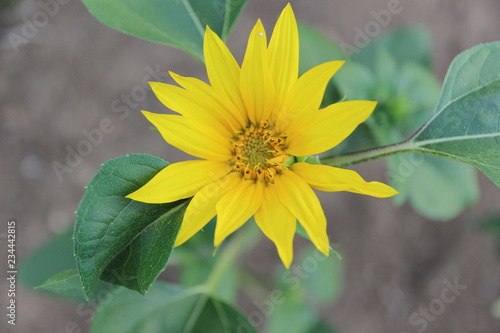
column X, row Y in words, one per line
column 259, row 152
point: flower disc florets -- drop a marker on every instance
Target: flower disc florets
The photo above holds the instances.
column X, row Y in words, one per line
column 259, row 152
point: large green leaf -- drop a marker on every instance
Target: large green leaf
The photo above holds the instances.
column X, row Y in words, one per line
column 465, row 124
column 109, row 225
column 179, row 23
column 168, row 309
column 138, row 265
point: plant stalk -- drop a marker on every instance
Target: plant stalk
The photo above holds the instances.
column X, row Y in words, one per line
column 243, row 240
column 370, row 154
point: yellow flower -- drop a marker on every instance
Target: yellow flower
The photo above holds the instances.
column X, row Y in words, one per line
column 247, row 127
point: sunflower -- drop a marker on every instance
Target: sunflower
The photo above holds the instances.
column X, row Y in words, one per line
column 251, row 129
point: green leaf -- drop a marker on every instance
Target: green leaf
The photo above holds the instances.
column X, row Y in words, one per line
column 316, row 48
column 312, row 279
column 437, row 188
column 178, row 23
column 491, row 225
column 41, row 265
column 168, row 309
column 416, row 93
column 325, row 283
column 109, row 225
column 138, row 266
column 406, row 45
column 291, row 314
column 465, row 124
column 356, row 81
column 197, row 261
column 65, row 283
column 321, row 327
column 406, row 93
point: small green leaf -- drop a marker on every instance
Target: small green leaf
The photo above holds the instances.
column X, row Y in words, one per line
column 465, row 124
column 179, row 23
column 168, row 309
column 41, row 265
column 107, row 223
column 66, row 283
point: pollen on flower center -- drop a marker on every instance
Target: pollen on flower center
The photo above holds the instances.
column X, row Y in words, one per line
column 259, row 152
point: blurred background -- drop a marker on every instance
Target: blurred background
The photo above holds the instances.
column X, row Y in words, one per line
column 65, row 75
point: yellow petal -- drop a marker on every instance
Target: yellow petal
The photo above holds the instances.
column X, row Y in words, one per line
column 277, row 223
column 236, row 207
column 327, row 178
column 180, row 180
column 193, row 138
column 222, row 108
column 283, row 53
column 201, row 209
column 193, row 105
column 305, row 96
column 329, row 127
column 256, row 83
column 222, row 69
column 300, row 199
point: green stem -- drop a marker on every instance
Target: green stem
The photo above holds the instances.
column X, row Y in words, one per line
column 370, row 154
column 243, row 240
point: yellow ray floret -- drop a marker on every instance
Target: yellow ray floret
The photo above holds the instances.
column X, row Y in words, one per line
column 247, row 126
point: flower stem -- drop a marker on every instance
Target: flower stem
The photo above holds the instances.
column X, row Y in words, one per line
column 242, row 241
column 370, row 154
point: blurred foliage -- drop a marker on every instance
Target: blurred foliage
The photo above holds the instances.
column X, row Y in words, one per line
column 394, row 69
column 492, row 226
column 196, row 259
column 168, row 309
column 52, row 257
column 6, row 4
column 312, row 280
